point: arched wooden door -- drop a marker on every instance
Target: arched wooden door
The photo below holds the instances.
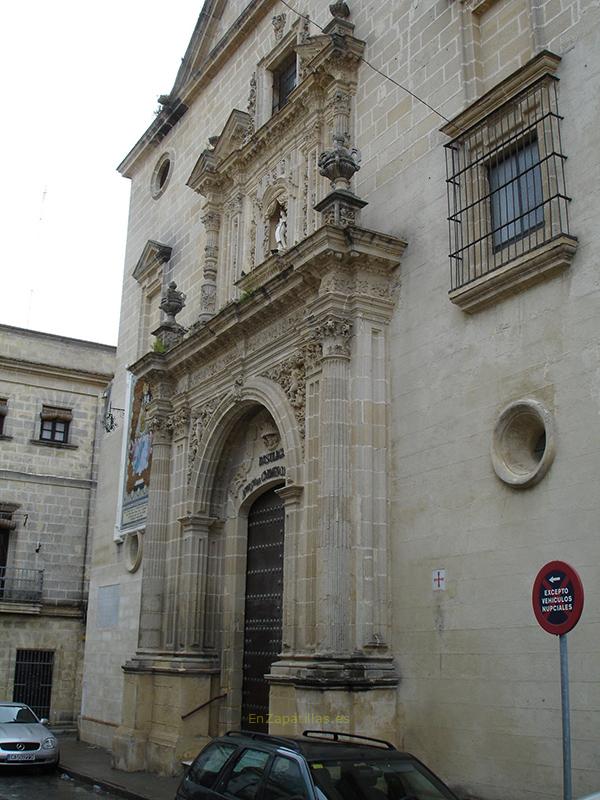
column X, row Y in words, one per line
column 263, row 608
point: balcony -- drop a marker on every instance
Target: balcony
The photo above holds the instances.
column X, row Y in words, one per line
column 21, row 585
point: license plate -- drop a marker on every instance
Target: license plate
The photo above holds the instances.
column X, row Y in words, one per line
column 21, row 757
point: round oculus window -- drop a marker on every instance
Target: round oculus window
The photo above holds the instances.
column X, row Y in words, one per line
column 161, row 175
column 133, row 551
column 523, row 443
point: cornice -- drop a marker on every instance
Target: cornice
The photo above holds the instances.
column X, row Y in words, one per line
column 153, row 256
column 51, row 370
column 187, row 91
column 545, row 63
column 278, row 286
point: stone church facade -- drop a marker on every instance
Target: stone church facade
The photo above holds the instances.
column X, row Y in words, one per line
column 341, row 464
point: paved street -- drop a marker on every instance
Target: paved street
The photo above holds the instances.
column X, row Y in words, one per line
column 20, row 785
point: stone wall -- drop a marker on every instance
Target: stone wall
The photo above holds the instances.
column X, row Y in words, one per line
column 51, row 487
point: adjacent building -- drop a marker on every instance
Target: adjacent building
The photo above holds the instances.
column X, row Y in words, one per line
column 51, row 406
column 359, row 360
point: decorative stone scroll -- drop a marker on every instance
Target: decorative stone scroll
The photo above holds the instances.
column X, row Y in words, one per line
column 291, row 376
column 251, row 109
column 178, row 422
column 200, row 419
column 278, row 26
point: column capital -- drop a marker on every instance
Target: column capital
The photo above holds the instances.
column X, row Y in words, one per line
column 334, row 333
column 197, row 523
column 291, row 495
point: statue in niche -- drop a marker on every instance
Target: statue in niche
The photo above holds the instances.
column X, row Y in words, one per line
column 281, row 230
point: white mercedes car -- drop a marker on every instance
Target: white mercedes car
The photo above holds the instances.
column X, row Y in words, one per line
column 24, row 739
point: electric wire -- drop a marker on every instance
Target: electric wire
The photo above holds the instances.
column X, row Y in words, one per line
column 372, row 66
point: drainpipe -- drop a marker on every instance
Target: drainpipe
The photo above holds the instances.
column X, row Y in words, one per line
column 89, row 509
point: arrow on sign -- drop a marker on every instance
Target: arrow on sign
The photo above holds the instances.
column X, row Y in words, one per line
column 553, row 579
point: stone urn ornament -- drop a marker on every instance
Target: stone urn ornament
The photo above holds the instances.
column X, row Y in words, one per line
column 170, row 332
column 172, row 303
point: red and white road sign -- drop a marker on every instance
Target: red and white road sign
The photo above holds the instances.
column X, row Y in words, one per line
column 557, row 597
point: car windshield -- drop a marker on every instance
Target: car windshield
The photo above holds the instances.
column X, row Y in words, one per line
column 377, row 779
column 16, row 714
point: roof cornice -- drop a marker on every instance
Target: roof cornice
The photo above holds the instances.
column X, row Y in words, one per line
column 187, row 85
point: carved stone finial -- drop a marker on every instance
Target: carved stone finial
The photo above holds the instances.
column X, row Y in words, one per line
column 339, row 164
column 170, row 333
column 341, row 206
column 172, row 302
column 339, row 10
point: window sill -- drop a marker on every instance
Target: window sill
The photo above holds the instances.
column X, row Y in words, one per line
column 533, row 267
column 20, row 608
column 4, row 438
column 59, row 445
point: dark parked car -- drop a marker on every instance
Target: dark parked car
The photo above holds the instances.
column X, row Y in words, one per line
column 24, row 739
column 319, row 765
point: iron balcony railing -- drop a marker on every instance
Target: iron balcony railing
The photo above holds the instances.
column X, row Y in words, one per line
column 21, row 585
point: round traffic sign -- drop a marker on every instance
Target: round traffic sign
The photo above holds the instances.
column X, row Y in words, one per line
column 557, row 597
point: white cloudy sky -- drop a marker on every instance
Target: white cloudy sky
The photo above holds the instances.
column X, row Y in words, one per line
column 80, row 86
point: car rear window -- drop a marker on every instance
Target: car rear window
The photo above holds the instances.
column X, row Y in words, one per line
column 379, row 779
column 209, row 763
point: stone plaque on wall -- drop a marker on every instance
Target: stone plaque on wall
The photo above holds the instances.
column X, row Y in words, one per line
column 107, row 610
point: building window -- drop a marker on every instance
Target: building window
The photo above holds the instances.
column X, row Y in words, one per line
column 284, row 81
column 55, row 423
column 3, row 413
column 506, row 185
column 33, row 680
column 161, row 175
column 516, row 195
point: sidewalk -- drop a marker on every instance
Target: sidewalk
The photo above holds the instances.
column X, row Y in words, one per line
column 92, row 765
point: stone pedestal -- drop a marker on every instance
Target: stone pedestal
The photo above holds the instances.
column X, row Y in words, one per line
column 355, row 696
column 168, row 715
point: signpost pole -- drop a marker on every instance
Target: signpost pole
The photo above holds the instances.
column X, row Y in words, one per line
column 566, row 717
column 557, row 598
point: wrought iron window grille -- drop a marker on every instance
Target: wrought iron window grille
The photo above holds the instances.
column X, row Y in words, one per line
column 506, row 184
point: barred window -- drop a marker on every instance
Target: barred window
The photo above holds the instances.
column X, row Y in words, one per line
column 506, row 184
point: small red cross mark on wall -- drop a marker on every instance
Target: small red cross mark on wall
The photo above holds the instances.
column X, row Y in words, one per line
column 438, row 580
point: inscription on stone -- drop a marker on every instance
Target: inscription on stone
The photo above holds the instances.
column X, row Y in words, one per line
column 268, row 458
column 267, row 474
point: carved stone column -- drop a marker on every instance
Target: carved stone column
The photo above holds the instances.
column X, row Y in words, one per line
column 193, row 581
column 334, row 547
column 155, row 538
column 292, row 498
column 208, row 291
column 178, row 423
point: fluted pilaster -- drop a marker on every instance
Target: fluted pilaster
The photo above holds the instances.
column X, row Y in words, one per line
column 193, row 582
column 334, row 546
column 155, row 538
